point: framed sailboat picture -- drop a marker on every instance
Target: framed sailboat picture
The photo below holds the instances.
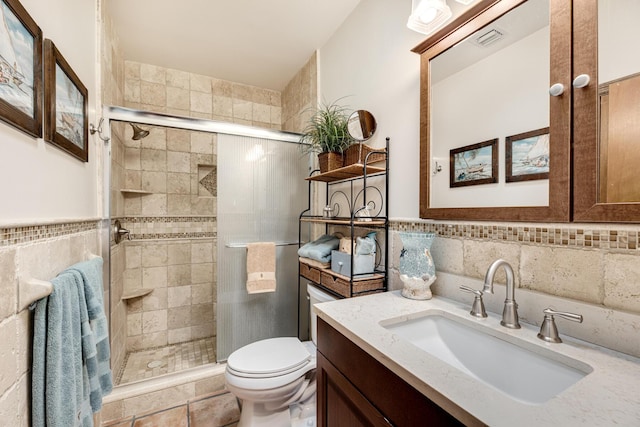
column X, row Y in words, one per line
column 527, row 156
column 474, row 164
column 20, row 69
column 65, row 119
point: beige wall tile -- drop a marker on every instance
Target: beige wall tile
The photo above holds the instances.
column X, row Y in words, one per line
column 132, row 159
column 200, row 83
column 179, row 296
column 201, row 252
column 179, row 204
column 152, row 73
column 153, row 160
column 154, row 277
column 153, row 94
column 178, row 183
column 133, row 255
column 134, row 324
column 201, row 102
column 157, row 138
column 179, row 317
column 132, row 90
column 210, row 385
column 203, row 206
column 179, row 335
column 448, row 255
column 275, row 115
column 202, row 273
column 201, row 143
column 156, row 182
column 132, row 180
column 569, row 273
column 9, row 367
column 14, row 406
column 242, row 110
column 154, row 255
column 154, row 321
column 131, row 69
column 261, row 113
column 179, row 275
column 201, row 314
column 154, row 339
column 478, row 257
column 153, row 204
column 178, row 98
column 159, row 399
column 177, row 78
column 241, row 92
column 222, row 88
column 178, row 140
column 202, row 293
column 178, row 161
column 156, row 300
column 222, row 106
column 8, row 283
column 179, row 253
column 622, row 282
column 112, row 411
column 132, row 206
column 203, row 331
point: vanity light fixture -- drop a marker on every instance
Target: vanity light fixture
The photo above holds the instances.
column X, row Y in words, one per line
column 428, row 15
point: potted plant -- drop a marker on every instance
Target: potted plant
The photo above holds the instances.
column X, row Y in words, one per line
column 327, row 134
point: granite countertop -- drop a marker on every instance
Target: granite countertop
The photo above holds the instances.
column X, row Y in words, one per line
column 609, row 395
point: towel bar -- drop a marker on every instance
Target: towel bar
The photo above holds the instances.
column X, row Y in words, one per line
column 31, row 290
column 244, row 245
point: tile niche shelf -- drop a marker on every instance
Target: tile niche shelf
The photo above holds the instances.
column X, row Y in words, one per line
column 136, row 294
column 131, row 192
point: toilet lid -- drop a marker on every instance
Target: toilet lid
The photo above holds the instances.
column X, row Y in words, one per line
column 270, row 357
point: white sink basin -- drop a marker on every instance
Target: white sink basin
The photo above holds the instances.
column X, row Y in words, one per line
column 530, row 375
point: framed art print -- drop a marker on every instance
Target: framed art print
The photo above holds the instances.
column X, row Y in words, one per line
column 20, row 69
column 66, row 121
column 527, row 156
column 474, row 164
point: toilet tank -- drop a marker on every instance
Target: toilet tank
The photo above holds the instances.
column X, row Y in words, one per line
column 316, row 296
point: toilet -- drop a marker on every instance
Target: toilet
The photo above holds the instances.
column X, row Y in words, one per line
column 271, row 375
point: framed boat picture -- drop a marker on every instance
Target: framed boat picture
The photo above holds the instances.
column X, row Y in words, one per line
column 474, row 164
column 20, row 69
column 527, row 156
column 65, row 119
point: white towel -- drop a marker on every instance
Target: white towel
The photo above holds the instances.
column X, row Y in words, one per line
column 261, row 267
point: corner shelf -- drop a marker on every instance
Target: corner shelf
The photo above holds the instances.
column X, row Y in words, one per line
column 136, row 294
column 131, row 192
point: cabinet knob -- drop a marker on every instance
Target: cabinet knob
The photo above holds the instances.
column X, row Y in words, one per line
column 581, row 81
column 556, row 90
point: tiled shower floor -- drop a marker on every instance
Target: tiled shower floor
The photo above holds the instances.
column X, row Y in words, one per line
column 145, row 364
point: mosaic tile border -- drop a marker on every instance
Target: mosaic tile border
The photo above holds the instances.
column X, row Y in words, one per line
column 157, row 236
column 165, row 219
column 169, row 227
column 578, row 236
column 31, row 233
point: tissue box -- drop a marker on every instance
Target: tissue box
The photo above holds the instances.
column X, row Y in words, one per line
column 362, row 264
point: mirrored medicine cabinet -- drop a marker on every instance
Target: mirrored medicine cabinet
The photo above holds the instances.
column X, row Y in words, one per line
column 504, row 87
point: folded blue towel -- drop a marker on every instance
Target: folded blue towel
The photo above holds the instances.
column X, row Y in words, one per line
column 95, row 331
column 58, row 381
column 320, row 249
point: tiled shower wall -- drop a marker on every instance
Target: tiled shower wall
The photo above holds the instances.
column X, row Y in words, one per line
column 593, row 263
column 300, row 96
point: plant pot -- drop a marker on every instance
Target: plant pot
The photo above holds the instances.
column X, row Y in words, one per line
column 329, row 161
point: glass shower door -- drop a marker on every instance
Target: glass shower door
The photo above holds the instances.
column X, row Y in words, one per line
column 261, row 192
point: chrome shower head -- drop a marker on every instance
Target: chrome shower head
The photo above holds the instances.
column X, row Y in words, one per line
column 138, row 132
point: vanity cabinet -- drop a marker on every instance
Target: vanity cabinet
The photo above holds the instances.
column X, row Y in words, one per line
column 586, row 46
column 354, row 190
column 354, row 389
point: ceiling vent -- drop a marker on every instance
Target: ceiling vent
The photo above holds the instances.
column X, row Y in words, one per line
column 488, row 36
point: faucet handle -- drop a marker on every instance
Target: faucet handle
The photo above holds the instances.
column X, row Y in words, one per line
column 548, row 330
column 477, row 309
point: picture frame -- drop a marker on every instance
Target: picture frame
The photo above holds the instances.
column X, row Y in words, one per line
column 527, row 156
column 66, row 119
column 20, row 69
column 474, row 164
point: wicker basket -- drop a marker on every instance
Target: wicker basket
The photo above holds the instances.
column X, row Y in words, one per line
column 341, row 286
column 309, row 272
column 330, row 161
column 357, row 153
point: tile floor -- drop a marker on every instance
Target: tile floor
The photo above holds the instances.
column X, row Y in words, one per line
column 144, row 364
column 219, row 409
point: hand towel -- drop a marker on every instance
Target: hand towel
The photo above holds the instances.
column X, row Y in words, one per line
column 261, row 267
column 320, row 249
column 95, row 337
column 58, row 383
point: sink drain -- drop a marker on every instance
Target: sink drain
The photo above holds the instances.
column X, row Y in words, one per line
column 154, row 364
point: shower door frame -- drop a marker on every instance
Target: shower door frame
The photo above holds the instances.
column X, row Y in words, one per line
column 122, row 114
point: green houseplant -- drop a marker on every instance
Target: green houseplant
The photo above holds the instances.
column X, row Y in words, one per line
column 326, row 134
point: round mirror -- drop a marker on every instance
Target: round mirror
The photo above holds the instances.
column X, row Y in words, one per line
column 361, row 125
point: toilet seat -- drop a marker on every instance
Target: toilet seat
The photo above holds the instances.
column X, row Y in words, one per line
column 269, row 358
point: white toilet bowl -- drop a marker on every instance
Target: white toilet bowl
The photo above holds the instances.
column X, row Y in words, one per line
column 269, row 375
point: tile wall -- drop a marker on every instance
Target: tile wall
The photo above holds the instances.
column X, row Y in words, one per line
column 593, row 263
column 300, row 96
column 38, row 251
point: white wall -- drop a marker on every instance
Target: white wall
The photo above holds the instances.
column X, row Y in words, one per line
column 501, row 95
column 39, row 182
column 369, row 61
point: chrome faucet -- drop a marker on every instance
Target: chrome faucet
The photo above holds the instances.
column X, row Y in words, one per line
column 510, row 312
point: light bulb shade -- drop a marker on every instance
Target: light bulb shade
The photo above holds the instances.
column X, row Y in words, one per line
column 428, row 15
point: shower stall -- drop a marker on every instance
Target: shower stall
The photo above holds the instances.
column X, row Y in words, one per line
column 188, row 195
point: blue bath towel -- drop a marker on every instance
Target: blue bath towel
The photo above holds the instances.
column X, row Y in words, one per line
column 58, row 380
column 95, row 331
column 320, row 249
